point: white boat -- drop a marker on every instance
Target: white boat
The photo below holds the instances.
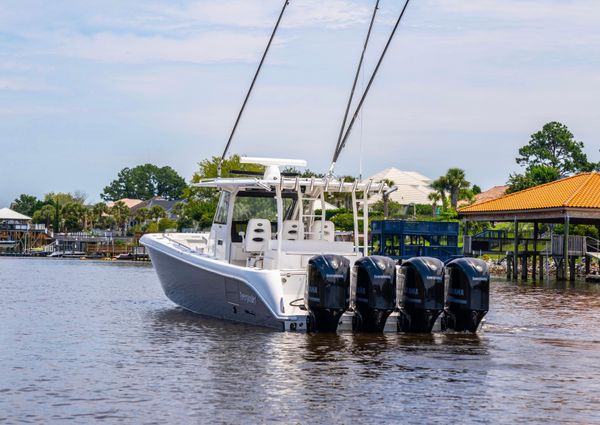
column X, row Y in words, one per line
column 252, row 267
column 270, row 260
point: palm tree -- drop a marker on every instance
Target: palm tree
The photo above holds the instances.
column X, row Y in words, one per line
column 157, row 212
column 434, row 197
column 456, row 183
column 386, row 198
column 98, row 211
column 120, row 213
column 141, row 215
column 441, row 186
column 45, row 215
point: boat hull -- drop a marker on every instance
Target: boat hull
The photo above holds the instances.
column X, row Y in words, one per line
column 195, row 287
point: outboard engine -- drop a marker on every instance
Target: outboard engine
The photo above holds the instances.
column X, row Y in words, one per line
column 327, row 294
column 422, row 282
column 375, row 292
column 468, row 297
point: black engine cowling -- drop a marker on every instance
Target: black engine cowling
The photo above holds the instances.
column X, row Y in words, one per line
column 375, row 292
column 327, row 293
column 422, row 280
column 468, row 297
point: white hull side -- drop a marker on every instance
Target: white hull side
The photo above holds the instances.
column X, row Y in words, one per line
column 213, row 288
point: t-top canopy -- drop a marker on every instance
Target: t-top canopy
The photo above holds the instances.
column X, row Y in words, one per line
column 327, row 184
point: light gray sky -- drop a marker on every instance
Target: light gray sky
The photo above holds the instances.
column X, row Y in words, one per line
column 87, row 88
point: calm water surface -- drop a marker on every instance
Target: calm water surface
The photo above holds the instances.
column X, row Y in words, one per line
column 84, row 342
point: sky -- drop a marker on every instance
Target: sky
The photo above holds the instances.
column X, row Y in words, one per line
column 90, row 87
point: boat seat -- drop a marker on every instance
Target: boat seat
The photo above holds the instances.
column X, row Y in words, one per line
column 325, row 227
column 293, row 230
column 258, row 233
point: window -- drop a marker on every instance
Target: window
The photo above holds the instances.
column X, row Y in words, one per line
column 248, row 207
column 223, row 208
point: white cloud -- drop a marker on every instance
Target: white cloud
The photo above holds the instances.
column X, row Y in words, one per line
column 22, row 84
column 207, row 47
column 241, row 14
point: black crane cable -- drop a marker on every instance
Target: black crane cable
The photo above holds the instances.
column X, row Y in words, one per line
column 358, row 69
column 341, row 145
column 262, row 60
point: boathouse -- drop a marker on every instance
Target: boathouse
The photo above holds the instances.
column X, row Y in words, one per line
column 572, row 200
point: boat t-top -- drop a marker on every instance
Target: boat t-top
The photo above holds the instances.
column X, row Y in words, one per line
column 271, row 257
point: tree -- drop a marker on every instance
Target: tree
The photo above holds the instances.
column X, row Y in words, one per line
column 26, row 204
column 457, row 185
column 99, row 211
column 44, row 215
column 142, row 215
column 73, row 215
column 395, row 209
column 555, row 146
column 434, row 197
column 441, row 185
column 157, row 212
column 62, row 198
column 145, row 182
column 534, row 176
column 120, row 212
column 386, row 198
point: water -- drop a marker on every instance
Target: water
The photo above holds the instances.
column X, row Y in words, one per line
column 82, row 342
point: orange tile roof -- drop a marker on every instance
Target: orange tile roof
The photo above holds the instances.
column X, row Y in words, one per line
column 579, row 191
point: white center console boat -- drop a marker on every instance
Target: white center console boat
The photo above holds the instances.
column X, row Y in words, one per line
column 252, row 267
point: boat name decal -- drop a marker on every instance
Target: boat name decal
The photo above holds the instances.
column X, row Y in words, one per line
column 250, row 299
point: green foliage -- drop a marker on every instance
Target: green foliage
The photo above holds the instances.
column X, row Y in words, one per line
column 395, row 209
column 534, row 176
column 152, row 228
column 120, row 213
column 166, row 223
column 73, row 215
column 142, row 215
column 448, row 214
column 555, row 146
column 578, row 230
column 343, row 221
column 157, row 212
column 26, row 204
column 63, row 198
column 145, row 182
column 208, row 168
column 301, row 173
column 455, row 184
column 424, row 209
column 44, row 215
column 200, row 212
column 476, row 189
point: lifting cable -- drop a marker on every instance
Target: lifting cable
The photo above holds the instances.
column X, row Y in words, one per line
column 237, row 121
column 342, row 143
column 358, row 71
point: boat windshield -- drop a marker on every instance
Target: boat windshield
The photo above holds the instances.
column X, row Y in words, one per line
column 255, row 204
column 250, row 205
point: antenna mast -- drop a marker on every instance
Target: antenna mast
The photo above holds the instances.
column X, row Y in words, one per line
column 262, row 60
column 342, row 143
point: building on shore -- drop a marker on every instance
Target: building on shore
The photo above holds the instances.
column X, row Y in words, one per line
column 413, row 188
column 569, row 201
column 19, row 235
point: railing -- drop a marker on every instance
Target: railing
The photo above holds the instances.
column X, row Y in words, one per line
column 577, row 245
column 592, row 245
